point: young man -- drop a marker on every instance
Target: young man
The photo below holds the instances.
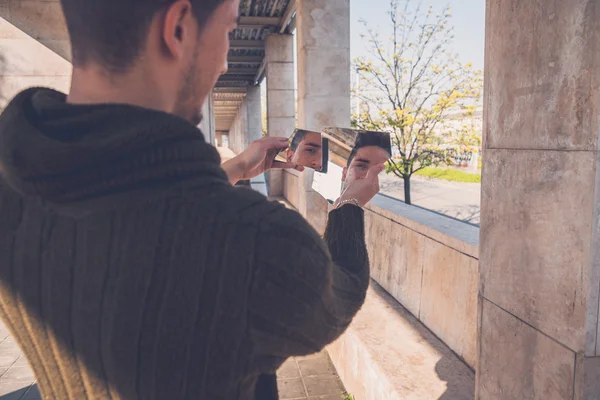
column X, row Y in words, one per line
column 130, row 267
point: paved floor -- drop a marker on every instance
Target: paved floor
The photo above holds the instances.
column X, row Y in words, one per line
column 312, row 377
column 457, row 200
column 16, row 378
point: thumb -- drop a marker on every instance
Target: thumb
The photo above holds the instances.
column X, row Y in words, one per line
column 375, row 170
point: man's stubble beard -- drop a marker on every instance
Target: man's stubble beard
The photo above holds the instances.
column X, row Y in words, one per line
column 188, row 104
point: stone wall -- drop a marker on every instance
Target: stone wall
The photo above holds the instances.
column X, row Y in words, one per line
column 429, row 263
column 387, row 354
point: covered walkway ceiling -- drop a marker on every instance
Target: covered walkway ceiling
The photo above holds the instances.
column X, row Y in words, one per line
column 246, row 61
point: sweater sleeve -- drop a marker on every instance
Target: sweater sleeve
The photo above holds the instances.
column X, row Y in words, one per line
column 306, row 290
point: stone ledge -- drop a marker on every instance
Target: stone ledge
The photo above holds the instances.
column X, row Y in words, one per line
column 458, row 235
column 386, row 354
column 292, row 172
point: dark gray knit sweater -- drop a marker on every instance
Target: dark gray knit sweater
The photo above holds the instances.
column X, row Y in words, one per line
column 131, row 269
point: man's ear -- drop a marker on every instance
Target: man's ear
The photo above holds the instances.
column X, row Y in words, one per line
column 344, row 173
column 177, row 29
column 289, row 154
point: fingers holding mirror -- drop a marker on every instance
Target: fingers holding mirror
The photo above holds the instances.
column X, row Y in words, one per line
column 352, row 154
column 370, row 149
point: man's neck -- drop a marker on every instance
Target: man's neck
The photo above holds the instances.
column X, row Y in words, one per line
column 93, row 85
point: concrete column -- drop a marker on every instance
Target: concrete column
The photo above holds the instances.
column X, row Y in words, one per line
column 323, row 34
column 211, row 119
column 281, row 114
column 238, row 131
column 219, row 138
column 254, row 115
column 540, row 232
column 207, row 125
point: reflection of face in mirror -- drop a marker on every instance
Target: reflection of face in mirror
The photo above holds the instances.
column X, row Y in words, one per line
column 306, row 149
column 369, row 151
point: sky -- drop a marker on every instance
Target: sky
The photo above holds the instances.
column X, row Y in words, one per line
column 468, row 18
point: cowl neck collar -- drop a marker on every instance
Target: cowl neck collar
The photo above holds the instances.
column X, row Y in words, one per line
column 62, row 152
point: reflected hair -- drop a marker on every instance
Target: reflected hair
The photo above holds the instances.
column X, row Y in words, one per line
column 299, row 136
column 113, row 32
column 367, row 139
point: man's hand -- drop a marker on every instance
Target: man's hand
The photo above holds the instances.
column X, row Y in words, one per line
column 256, row 159
column 363, row 190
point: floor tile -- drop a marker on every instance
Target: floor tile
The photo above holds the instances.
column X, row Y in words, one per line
column 22, row 361
column 289, row 370
column 21, row 374
column 320, row 366
column 321, row 386
column 291, row 389
column 7, row 358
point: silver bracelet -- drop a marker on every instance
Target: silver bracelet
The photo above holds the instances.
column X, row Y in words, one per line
column 353, row 200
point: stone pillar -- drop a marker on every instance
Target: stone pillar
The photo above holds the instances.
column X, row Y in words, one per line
column 211, row 119
column 540, row 231
column 281, row 114
column 323, row 34
column 219, row 138
column 254, row 117
column 207, row 125
column 239, row 129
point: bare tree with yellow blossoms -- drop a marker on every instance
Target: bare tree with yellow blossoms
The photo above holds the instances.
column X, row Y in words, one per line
column 411, row 84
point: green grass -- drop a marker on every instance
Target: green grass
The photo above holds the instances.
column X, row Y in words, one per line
column 449, row 174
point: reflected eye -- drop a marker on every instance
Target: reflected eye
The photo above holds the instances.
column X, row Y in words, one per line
column 361, row 166
column 311, row 151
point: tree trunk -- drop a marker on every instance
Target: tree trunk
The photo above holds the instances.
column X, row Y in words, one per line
column 407, row 189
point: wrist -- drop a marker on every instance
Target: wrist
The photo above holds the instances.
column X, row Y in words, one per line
column 234, row 168
column 342, row 202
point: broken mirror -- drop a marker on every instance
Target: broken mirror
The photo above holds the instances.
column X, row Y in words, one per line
column 308, row 149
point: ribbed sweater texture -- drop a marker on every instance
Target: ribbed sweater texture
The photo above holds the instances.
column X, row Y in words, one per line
column 131, row 269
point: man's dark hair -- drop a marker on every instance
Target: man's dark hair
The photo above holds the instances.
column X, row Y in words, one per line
column 368, row 138
column 298, row 137
column 112, row 32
